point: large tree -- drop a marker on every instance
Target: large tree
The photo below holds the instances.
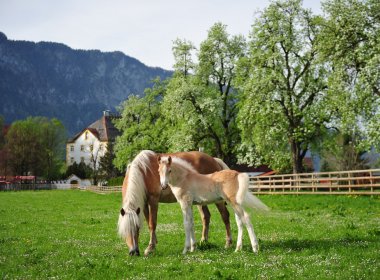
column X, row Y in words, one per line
column 36, row 146
column 201, row 98
column 142, row 125
column 284, row 107
column 350, row 43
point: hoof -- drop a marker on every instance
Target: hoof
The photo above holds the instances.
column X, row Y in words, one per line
column 134, row 252
column 255, row 248
column 238, row 248
column 149, row 250
column 228, row 244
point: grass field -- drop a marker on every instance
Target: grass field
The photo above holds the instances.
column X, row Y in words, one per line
column 72, row 235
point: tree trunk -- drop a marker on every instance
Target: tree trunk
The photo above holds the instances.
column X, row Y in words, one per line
column 297, row 157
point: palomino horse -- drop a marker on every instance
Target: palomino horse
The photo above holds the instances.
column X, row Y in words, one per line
column 142, row 192
column 190, row 187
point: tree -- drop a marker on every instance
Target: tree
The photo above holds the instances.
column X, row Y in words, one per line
column 350, row 44
column 340, row 153
column 94, row 151
column 142, row 125
column 283, row 83
column 205, row 101
column 36, row 145
column 106, row 167
column 2, row 137
column 53, row 139
column 81, row 170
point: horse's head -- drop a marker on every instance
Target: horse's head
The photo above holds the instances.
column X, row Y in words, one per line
column 128, row 228
column 164, row 170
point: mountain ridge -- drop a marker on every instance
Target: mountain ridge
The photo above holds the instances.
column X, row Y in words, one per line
column 53, row 80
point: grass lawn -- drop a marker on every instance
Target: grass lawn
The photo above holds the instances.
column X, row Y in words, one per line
column 72, row 235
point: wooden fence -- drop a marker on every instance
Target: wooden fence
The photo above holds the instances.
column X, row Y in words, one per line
column 103, row 189
column 358, row 182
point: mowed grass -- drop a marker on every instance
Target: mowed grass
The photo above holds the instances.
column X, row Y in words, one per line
column 72, row 235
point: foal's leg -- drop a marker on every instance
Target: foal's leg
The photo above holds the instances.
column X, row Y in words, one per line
column 226, row 220
column 188, row 223
column 251, row 232
column 205, row 216
column 243, row 217
column 239, row 242
column 152, row 215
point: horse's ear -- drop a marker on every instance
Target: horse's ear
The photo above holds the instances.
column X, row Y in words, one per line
column 138, row 211
column 170, row 160
column 159, row 159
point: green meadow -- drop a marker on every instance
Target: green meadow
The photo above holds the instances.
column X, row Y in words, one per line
column 72, row 235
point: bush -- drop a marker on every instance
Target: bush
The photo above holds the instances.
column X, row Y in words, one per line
column 116, row 181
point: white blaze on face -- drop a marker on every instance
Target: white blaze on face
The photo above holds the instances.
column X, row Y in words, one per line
column 164, row 172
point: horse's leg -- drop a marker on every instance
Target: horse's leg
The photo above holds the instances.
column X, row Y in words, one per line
column 239, row 242
column 251, row 232
column 243, row 217
column 153, row 209
column 188, row 223
column 226, row 220
column 205, row 216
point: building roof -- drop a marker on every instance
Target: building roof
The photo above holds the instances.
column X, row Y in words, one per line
column 103, row 129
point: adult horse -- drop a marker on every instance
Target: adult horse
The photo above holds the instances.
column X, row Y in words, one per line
column 142, row 192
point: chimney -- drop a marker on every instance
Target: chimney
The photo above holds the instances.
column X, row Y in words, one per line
column 106, row 113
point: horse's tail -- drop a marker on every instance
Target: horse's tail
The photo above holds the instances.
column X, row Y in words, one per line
column 245, row 197
column 221, row 163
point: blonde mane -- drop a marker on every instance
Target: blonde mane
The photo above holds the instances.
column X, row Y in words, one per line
column 135, row 196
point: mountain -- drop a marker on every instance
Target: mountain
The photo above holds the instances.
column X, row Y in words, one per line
column 74, row 86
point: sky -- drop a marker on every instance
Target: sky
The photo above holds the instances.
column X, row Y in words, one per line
column 143, row 29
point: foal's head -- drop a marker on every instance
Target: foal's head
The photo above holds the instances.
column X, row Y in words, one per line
column 164, row 170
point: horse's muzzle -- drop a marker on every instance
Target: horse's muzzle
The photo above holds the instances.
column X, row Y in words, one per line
column 164, row 186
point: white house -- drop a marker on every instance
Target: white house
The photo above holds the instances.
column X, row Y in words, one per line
column 91, row 143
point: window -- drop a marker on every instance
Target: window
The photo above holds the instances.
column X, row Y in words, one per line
column 72, row 148
column 71, row 160
column 91, row 148
column 81, row 159
column 101, row 147
column 86, row 135
column 82, row 148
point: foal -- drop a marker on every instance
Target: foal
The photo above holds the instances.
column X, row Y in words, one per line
column 189, row 187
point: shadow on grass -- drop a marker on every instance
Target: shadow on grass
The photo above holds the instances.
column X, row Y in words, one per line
column 206, row 245
column 306, row 244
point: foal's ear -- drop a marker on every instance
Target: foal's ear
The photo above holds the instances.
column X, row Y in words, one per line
column 138, row 211
column 170, row 160
column 159, row 159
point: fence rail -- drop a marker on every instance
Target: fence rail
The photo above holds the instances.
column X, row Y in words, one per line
column 104, row 189
column 358, row 182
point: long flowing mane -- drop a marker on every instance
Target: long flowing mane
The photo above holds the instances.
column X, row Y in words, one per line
column 136, row 193
column 135, row 196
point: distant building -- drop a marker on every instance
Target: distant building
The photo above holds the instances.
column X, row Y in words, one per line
column 91, row 143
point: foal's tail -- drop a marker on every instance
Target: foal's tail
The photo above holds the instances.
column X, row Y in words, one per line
column 245, row 197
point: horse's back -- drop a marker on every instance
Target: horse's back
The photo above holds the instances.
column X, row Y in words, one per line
column 202, row 162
